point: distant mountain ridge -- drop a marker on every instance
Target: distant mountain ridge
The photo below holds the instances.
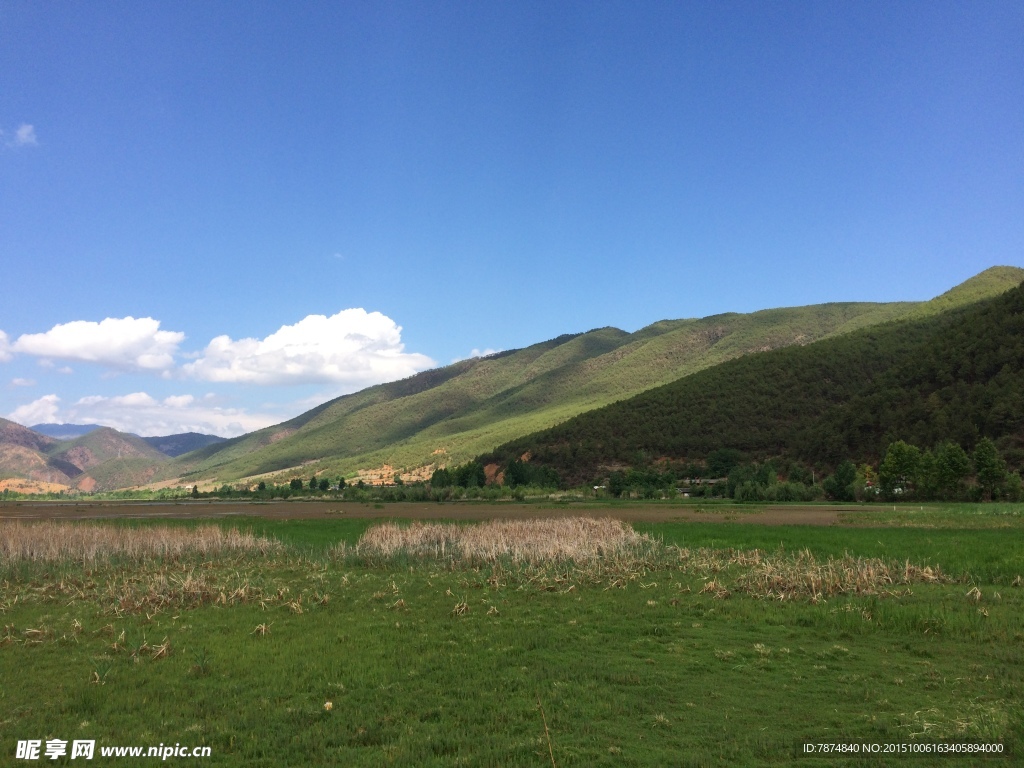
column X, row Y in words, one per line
column 169, row 445
column 89, row 457
column 176, row 445
column 101, row 459
column 451, row 414
column 957, row 375
column 64, row 431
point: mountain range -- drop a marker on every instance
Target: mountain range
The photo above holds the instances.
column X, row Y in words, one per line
column 169, row 445
column 451, row 414
column 87, row 457
column 957, row 376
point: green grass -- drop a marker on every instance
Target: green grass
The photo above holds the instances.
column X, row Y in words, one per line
column 985, row 555
column 1003, row 516
column 634, row 671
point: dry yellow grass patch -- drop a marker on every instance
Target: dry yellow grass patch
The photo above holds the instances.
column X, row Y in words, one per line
column 19, row 485
column 578, row 539
column 801, row 574
column 85, row 542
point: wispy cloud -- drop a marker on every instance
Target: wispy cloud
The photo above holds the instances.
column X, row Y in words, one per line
column 353, row 348
column 143, row 414
column 477, row 353
column 125, row 343
column 23, row 382
column 24, row 136
column 5, row 348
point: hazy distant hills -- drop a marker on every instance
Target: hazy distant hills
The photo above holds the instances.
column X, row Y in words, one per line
column 451, row 414
column 102, row 459
column 88, row 457
column 958, row 376
column 169, row 445
column 176, row 445
column 64, row 431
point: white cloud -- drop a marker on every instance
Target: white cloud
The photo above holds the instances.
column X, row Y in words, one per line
column 23, row 382
column 5, row 348
column 142, row 414
column 353, row 348
column 126, row 343
column 25, row 136
column 41, row 411
column 477, row 353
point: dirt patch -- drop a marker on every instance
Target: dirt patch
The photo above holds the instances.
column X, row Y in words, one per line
column 18, row 485
column 87, row 484
column 285, row 510
column 385, row 475
column 281, row 435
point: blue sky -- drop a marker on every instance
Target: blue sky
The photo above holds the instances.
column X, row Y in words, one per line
column 214, row 215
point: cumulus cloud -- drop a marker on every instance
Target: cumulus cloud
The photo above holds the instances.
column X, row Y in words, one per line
column 142, row 414
column 353, row 348
column 5, row 348
column 41, row 411
column 126, row 343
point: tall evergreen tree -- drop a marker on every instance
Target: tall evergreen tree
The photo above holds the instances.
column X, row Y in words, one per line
column 952, row 466
column 899, row 468
column 989, row 467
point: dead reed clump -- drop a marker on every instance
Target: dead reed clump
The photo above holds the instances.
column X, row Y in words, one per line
column 716, row 589
column 580, row 539
column 803, row 575
column 89, row 542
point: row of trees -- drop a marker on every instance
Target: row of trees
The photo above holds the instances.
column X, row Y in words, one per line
column 468, row 475
column 295, row 487
column 944, row 472
column 446, row 483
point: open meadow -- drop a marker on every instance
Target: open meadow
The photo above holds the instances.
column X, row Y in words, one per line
column 559, row 636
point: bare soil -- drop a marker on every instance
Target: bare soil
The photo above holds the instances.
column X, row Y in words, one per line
column 286, row 510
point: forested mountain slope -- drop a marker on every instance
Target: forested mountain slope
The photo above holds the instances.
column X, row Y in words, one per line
column 451, row 414
column 958, row 375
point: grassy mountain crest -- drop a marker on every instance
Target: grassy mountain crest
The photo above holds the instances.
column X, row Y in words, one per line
column 451, row 414
column 956, row 375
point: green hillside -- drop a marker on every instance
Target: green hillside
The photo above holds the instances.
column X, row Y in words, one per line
column 958, row 376
column 102, row 445
column 106, row 459
column 451, row 414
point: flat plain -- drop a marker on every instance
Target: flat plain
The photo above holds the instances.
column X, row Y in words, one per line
column 721, row 637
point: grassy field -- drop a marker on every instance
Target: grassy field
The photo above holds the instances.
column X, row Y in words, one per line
column 698, row 644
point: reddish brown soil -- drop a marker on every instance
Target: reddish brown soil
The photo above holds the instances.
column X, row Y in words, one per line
column 84, row 510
